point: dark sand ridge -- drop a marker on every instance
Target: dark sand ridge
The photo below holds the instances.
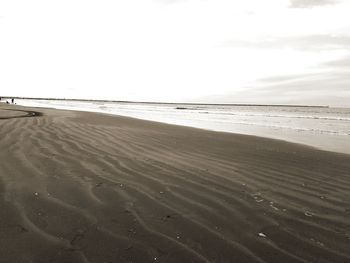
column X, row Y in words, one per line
column 86, row 187
column 6, row 114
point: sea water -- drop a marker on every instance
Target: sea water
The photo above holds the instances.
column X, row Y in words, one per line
column 321, row 127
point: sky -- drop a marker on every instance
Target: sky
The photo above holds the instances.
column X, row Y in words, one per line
column 211, row 51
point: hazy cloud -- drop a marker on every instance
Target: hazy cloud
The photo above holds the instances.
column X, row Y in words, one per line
column 327, row 84
column 316, row 89
column 311, row 3
column 343, row 63
column 319, row 41
column 315, row 81
column 310, row 42
column 285, row 78
column 168, row 2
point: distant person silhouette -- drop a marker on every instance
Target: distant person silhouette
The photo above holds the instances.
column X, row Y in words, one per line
column 12, row 101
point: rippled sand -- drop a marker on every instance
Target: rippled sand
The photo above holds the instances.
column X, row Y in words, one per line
column 86, row 187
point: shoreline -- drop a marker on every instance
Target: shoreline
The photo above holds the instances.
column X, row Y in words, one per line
column 323, row 140
column 174, row 103
column 90, row 187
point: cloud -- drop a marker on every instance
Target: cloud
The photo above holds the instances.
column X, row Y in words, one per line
column 285, row 78
column 315, row 42
column 318, row 41
column 326, row 84
column 320, row 81
column 322, row 89
column 169, row 2
column 343, row 63
column 311, row 3
column 330, row 87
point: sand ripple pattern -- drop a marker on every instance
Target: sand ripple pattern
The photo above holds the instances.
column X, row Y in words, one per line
column 85, row 187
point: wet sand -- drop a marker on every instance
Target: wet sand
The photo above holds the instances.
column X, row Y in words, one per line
column 88, row 187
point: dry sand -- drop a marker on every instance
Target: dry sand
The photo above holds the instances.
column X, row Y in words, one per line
column 86, row 187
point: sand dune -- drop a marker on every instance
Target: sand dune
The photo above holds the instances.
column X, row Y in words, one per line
column 86, row 187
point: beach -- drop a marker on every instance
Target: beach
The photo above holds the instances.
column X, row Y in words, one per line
column 92, row 187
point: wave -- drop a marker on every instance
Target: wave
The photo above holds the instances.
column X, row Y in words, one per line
column 278, row 116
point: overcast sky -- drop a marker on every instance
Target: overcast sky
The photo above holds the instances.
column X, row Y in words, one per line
column 242, row 51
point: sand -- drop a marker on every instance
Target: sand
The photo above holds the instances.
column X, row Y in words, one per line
column 88, row 187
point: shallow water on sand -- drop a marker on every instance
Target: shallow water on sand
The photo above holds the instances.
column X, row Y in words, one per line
column 324, row 128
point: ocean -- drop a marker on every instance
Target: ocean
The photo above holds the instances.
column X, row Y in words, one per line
column 320, row 127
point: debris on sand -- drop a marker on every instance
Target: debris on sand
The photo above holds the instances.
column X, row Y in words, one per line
column 262, row 235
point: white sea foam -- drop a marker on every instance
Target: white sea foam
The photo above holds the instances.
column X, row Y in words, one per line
column 326, row 128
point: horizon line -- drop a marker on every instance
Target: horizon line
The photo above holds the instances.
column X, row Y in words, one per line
column 171, row 103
